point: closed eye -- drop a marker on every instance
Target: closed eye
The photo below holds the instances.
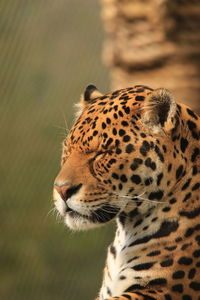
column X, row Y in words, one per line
column 100, row 153
column 97, row 156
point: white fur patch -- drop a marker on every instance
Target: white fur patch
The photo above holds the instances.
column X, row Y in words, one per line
column 59, row 203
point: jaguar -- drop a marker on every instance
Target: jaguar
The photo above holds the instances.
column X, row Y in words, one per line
column 134, row 156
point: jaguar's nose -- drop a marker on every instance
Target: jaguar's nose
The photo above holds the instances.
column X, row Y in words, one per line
column 67, row 190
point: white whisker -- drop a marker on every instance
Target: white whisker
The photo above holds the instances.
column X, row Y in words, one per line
column 135, row 197
column 65, row 120
column 52, row 211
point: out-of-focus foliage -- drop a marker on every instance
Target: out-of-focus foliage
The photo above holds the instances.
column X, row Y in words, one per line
column 49, row 51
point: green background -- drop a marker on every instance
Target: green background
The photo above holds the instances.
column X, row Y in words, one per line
column 49, row 52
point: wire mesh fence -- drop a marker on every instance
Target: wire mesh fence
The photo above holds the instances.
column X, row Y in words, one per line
column 49, row 51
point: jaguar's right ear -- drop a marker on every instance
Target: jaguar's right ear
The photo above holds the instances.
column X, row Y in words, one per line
column 90, row 93
column 160, row 111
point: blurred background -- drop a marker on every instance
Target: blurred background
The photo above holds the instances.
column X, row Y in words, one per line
column 49, row 52
column 154, row 42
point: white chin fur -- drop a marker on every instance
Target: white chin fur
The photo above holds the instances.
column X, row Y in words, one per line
column 59, row 203
column 78, row 223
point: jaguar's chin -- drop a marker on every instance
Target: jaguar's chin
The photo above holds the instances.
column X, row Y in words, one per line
column 102, row 215
column 79, row 223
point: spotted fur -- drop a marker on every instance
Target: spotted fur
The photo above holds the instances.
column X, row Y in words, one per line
column 134, row 155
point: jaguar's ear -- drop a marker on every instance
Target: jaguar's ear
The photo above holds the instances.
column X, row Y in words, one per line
column 160, row 110
column 90, row 93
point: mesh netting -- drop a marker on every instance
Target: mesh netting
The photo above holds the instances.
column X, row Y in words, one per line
column 50, row 50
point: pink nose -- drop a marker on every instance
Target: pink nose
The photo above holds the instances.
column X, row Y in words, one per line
column 66, row 190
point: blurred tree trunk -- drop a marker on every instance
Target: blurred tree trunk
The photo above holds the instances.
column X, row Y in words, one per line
column 156, row 43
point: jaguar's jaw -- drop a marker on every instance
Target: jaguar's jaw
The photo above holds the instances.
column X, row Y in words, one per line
column 77, row 222
column 81, row 217
column 96, row 218
column 72, row 218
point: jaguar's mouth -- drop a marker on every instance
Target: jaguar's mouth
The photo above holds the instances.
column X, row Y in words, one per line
column 103, row 214
column 72, row 213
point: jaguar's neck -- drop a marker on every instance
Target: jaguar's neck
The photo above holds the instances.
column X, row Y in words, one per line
column 179, row 208
column 140, row 231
